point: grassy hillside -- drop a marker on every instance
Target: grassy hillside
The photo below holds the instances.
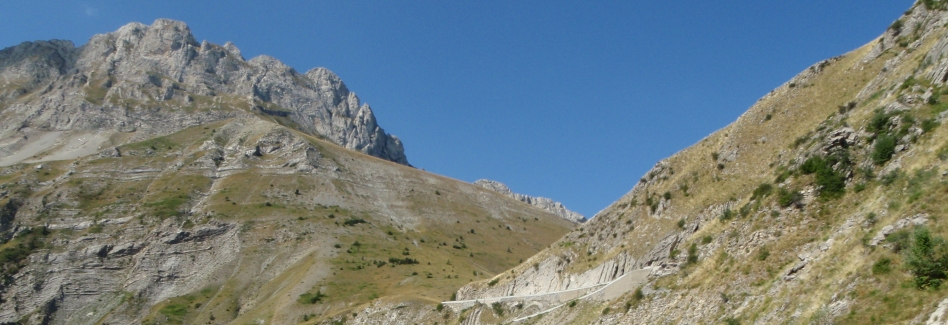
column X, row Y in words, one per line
column 243, row 221
column 772, row 218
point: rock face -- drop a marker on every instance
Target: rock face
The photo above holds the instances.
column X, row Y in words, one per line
column 547, row 204
column 155, row 80
column 232, row 222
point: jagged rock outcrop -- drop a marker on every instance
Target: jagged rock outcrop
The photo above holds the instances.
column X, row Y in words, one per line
column 155, row 80
column 547, row 204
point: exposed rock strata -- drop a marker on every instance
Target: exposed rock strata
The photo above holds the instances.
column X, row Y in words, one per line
column 155, row 80
column 547, row 204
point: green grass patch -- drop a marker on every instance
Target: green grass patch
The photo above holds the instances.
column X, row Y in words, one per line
column 174, row 310
column 168, row 206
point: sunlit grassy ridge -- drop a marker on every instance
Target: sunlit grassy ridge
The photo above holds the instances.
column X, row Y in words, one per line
column 775, row 212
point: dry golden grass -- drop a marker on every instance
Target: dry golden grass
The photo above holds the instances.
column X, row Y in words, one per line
column 748, row 256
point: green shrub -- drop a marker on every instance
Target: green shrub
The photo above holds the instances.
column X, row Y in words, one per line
column 311, row 298
column 832, row 182
column 908, row 83
column 799, row 141
column 354, row 221
column 882, row 266
column 883, row 149
column 693, row 253
column 929, row 125
column 402, row 261
column 763, row 253
column 786, row 198
column 707, row 239
column 812, row 164
column 859, row 187
column 681, row 223
column 727, row 214
column 927, row 259
column 762, row 191
column 492, row 282
column 498, row 308
column 15, row 256
column 879, row 122
column 8, row 213
column 745, row 210
column 934, row 4
column 667, row 195
column 638, row 294
column 782, row 176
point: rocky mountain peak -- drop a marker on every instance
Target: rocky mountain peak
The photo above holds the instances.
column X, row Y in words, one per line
column 157, row 79
column 163, row 36
column 547, row 204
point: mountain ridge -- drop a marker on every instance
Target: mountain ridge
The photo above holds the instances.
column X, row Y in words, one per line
column 800, row 211
column 137, row 78
column 547, row 204
column 147, row 178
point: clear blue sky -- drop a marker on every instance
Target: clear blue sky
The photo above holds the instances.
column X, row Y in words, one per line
column 572, row 100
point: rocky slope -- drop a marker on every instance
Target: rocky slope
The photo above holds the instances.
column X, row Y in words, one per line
column 149, row 179
column 143, row 81
column 547, row 204
column 246, row 221
column 822, row 204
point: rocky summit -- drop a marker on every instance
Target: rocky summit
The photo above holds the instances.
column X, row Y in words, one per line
column 58, row 101
column 547, row 204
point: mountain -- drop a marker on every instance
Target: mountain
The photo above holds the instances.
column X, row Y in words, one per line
column 547, row 204
column 145, row 81
column 149, row 179
column 824, row 203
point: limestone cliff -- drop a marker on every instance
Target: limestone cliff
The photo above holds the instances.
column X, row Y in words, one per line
column 141, row 81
